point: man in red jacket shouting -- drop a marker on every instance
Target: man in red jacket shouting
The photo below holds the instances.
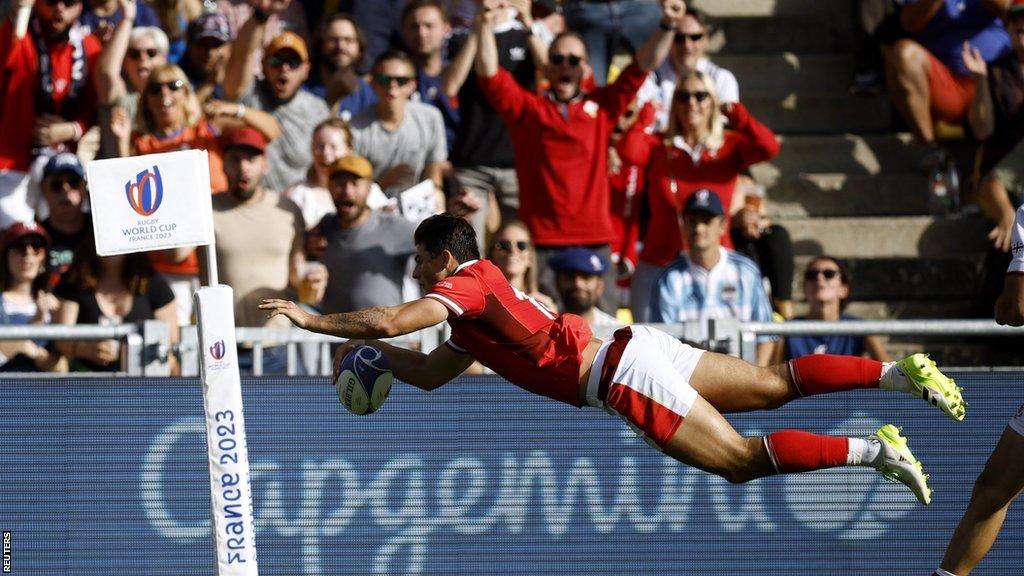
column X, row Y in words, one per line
column 561, row 138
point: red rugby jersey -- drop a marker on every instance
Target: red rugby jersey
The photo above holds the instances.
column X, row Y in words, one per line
column 512, row 334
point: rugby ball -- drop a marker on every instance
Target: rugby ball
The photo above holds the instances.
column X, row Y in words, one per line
column 364, row 380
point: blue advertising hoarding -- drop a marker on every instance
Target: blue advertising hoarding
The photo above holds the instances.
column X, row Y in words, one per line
column 109, row 477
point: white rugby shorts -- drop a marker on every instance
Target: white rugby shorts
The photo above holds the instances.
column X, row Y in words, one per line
column 643, row 375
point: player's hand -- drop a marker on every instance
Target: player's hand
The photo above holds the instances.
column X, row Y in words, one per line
column 1002, row 234
column 288, row 309
column 973, row 61
column 340, row 354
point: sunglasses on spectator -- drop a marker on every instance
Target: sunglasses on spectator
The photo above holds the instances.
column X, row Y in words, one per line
column 66, row 3
column 292, row 61
column 385, row 80
column 136, row 53
column 680, row 37
column 506, row 245
column 572, row 59
column 22, row 246
column 155, row 88
column 684, row 97
column 828, row 273
column 57, row 184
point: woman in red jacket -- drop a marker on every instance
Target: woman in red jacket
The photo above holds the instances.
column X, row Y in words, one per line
column 696, row 151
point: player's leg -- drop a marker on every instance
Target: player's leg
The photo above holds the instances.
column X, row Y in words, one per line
column 733, row 385
column 640, row 380
column 707, row 441
column 997, row 486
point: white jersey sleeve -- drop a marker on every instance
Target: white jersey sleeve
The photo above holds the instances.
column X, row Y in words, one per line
column 1017, row 244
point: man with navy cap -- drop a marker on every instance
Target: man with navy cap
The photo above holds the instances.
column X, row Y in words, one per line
column 708, row 280
column 67, row 223
column 579, row 279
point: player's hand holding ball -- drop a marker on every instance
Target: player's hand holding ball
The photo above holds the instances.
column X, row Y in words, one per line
column 362, row 378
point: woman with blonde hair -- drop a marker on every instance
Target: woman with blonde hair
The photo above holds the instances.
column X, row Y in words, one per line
column 696, row 151
column 511, row 250
column 171, row 118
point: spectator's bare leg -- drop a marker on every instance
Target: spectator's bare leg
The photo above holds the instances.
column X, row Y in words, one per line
column 907, row 68
column 999, row 483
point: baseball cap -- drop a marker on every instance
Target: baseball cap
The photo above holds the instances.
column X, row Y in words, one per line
column 210, row 25
column 62, row 163
column 706, row 201
column 244, row 136
column 352, row 164
column 20, row 230
column 578, row 259
column 287, row 41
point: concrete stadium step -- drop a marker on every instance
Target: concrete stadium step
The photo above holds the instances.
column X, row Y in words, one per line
column 732, row 8
column 841, row 153
column 823, row 114
column 781, row 74
column 801, row 34
column 909, row 237
column 941, row 282
column 831, row 195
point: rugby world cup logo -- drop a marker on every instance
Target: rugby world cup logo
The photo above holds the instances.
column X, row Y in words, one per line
column 218, row 349
column 146, row 193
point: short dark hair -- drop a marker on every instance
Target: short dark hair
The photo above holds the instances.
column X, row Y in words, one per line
column 414, row 5
column 442, row 232
column 572, row 34
column 393, row 54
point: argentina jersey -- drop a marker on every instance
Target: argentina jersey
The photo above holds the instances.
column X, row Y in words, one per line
column 732, row 288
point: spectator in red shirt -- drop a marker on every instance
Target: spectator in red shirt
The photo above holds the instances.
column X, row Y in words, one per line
column 561, row 138
column 46, row 97
column 696, row 152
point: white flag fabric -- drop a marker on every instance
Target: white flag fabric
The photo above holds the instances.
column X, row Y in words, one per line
column 151, row 202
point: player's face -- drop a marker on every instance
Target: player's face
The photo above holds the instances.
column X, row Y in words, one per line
column 349, row 193
column 329, row 144
column 823, row 282
column 579, row 291
column 424, row 30
column 245, row 168
column 703, row 230
column 689, row 44
column 567, row 65
column 429, row 269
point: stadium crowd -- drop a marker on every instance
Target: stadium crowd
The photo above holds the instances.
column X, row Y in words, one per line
column 597, row 187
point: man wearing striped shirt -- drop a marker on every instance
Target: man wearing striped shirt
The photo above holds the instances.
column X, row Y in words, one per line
column 708, row 280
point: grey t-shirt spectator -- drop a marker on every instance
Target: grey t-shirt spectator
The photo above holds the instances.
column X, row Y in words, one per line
column 289, row 156
column 419, row 140
column 366, row 264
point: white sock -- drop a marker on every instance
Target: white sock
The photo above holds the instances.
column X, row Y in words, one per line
column 941, row 572
column 863, row 452
column 893, row 378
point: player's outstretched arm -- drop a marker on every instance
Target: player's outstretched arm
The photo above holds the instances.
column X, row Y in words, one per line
column 377, row 322
column 424, row 371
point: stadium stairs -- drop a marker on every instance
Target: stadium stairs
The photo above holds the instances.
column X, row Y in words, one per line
column 845, row 182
